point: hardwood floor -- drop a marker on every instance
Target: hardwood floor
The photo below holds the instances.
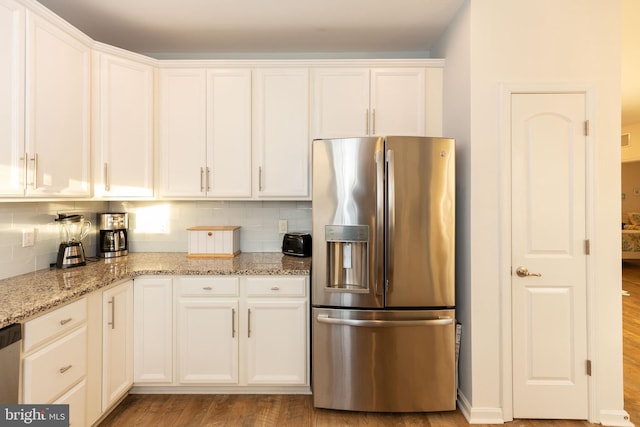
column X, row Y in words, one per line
column 298, row 411
column 631, row 338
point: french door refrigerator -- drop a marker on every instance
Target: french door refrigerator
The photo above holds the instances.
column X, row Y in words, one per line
column 383, row 298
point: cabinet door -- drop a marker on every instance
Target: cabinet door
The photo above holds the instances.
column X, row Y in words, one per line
column 12, row 27
column 123, row 127
column 277, row 342
column 340, row 102
column 117, row 343
column 58, row 111
column 153, row 330
column 398, row 101
column 229, row 133
column 207, row 341
column 183, row 115
column 281, row 133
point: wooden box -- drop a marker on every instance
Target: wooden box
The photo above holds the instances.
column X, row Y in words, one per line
column 213, row 241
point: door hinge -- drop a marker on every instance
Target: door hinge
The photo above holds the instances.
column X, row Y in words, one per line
column 587, row 247
column 586, row 128
column 589, row 367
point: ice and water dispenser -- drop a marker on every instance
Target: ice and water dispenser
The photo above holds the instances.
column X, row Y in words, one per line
column 347, row 257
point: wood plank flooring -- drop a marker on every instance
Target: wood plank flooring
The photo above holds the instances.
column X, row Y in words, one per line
column 298, row 411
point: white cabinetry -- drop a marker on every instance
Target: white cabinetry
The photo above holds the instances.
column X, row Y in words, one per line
column 57, row 111
column 153, row 330
column 232, row 333
column 277, row 330
column 12, row 28
column 207, row 330
column 122, row 127
column 117, row 343
column 351, row 102
column 281, row 133
column 205, row 133
column 54, row 360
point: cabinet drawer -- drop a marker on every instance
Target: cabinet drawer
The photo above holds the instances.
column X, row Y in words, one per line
column 276, row 286
column 207, row 286
column 47, row 326
column 76, row 400
column 52, row 370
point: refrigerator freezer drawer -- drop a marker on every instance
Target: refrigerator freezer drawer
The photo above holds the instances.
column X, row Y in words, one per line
column 384, row 361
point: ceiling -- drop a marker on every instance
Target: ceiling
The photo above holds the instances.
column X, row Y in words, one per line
column 280, row 28
column 220, row 28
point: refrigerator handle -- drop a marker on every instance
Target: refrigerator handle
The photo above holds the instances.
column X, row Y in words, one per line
column 391, row 216
column 440, row 321
column 379, row 232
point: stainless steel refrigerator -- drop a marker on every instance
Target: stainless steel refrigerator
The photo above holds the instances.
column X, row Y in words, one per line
column 383, row 297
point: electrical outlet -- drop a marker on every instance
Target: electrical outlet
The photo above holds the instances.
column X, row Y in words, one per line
column 282, row 226
column 28, row 237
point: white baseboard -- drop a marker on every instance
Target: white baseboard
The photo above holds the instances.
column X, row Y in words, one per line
column 479, row 415
column 615, row 418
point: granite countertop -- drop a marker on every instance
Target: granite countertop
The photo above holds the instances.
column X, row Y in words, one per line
column 27, row 295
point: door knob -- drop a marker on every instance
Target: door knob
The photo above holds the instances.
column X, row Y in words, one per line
column 524, row 272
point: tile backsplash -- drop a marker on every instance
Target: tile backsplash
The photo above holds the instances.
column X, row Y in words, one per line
column 154, row 226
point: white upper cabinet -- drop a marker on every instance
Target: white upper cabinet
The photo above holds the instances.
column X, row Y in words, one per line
column 281, row 133
column 57, row 148
column 205, row 133
column 122, row 127
column 182, row 118
column 398, row 101
column 350, row 102
column 229, row 133
column 340, row 104
column 12, row 27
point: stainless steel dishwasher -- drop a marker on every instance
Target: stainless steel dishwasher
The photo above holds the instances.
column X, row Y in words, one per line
column 10, row 338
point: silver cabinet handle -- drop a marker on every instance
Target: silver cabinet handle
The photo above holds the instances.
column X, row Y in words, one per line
column 524, row 272
column 107, row 184
column 249, row 323
column 113, row 313
column 442, row 321
column 35, row 171
column 201, row 180
column 65, row 369
column 366, row 115
column 233, row 323
column 207, row 288
column 373, row 120
column 275, row 288
column 259, row 178
column 208, row 179
column 65, row 321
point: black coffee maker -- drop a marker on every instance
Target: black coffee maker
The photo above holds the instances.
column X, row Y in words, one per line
column 113, row 241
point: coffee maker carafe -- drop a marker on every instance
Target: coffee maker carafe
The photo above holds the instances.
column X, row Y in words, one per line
column 73, row 228
column 113, row 241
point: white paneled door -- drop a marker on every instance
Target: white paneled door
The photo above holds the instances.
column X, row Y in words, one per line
column 548, row 267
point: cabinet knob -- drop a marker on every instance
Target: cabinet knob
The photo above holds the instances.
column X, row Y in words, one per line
column 209, row 234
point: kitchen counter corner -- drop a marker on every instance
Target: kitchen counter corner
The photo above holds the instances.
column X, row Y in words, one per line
column 34, row 293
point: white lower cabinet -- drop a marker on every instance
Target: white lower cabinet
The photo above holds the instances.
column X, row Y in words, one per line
column 206, row 330
column 232, row 333
column 276, row 342
column 54, row 359
column 153, row 330
column 117, row 343
column 75, row 398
